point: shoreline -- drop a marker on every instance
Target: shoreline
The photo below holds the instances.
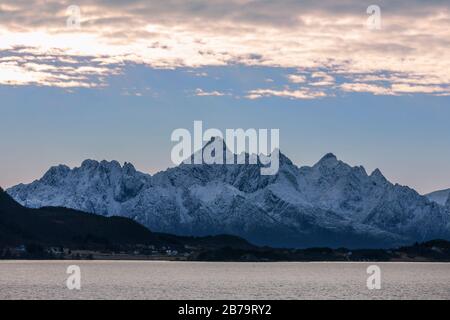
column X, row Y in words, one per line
column 223, row 261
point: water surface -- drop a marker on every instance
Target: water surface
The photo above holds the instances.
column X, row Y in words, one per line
column 207, row 280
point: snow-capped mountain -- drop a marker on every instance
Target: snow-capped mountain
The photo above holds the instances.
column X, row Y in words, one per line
column 440, row 196
column 328, row 204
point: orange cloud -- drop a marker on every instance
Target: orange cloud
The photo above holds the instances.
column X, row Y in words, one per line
column 413, row 43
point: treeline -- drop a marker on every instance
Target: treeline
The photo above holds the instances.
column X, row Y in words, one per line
column 436, row 250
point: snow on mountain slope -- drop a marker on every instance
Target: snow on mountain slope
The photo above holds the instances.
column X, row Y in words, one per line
column 328, row 204
column 439, row 196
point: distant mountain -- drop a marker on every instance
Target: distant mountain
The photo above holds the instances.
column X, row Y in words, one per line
column 440, row 197
column 52, row 226
column 329, row 204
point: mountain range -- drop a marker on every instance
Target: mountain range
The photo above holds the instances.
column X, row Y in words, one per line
column 329, row 204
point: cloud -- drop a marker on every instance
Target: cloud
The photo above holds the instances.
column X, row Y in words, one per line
column 291, row 94
column 407, row 88
column 25, row 67
column 395, row 89
column 328, row 38
column 200, row 93
column 295, row 78
column 364, row 87
column 324, row 79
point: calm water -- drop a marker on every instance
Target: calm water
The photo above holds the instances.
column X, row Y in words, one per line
column 197, row 280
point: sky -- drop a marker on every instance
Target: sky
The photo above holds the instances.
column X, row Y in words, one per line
column 113, row 79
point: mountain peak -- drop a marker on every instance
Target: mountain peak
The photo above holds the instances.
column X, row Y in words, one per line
column 216, row 141
column 110, row 164
column 59, row 168
column 328, row 160
column 284, row 159
column 377, row 174
column 94, row 164
column 439, row 197
column 89, row 163
column 329, row 156
column 216, row 138
column 128, row 167
column 54, row 174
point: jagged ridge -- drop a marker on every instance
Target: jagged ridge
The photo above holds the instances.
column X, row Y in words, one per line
column 328, row 204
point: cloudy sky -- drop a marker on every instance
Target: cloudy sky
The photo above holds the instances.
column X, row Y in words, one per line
column 112, row 80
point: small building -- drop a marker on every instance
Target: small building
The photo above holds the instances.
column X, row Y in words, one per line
column 21, row 249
